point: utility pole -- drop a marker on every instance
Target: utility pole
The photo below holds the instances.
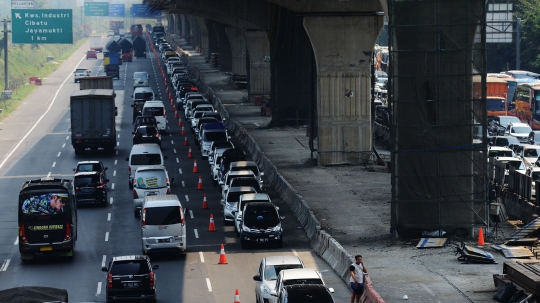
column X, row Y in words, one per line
column 518, row 42
column 6, row 93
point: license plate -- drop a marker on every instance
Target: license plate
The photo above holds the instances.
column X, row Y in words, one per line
column 46, row 248
column 262, row 240
column 164, row 240
column 131, row 285
column 151, row 193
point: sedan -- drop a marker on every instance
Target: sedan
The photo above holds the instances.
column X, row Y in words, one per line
column 146, row 134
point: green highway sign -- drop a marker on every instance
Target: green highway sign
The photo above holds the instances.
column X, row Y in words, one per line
column 42, row 26
column 93, row 9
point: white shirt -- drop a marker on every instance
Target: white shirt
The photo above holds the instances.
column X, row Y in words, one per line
column 358, row 273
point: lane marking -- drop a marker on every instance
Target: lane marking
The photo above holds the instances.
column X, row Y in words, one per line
column 98, row 292
column 118, row 136
column 180, row 170
column 106, row 236
column 196, row 233
column 187, row 198
column 177, row 161
column 63, row 145
column 201, row 256
column 103, row 260
column 295, row 253
column 170, row 135
column 39, row 120
column 427, row 289
column 190, row 214
column 115, row 162
column 54, row 164
column 112, row 186
column 5, row 265
column 59, row 153
column 111, row 200
column 49, row 174
column 209, row 284
column 117, row 143
column 183, row 184
column 109, row 217
column 172, row 142
column 16, row 241
column 117, row 152
column 174, row 150
column 114, row 173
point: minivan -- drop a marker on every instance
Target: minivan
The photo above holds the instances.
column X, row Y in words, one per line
column 163, row 224
column 156, row 109
column 140, row 79
column 142, row 155
column 150, row 180
column 260, row 224
column 140, row 96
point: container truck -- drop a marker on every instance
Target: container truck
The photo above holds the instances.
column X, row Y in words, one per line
column 111, row 64
column 96, row 82
column 139, row 47
column 93, row 120
column 95, row 44
column 127, row 50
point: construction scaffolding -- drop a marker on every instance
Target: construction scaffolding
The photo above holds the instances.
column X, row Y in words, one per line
column 438, row 129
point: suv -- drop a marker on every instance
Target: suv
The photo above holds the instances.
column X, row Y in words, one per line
column 519, row 130
column 131, row 278
column 305, row 293
column 90, row 187
column 80, row 73
column 91, row 54
column 260, row 224
column 243, row 200
column 144, row 120
column 88, row 166
column 208, row 136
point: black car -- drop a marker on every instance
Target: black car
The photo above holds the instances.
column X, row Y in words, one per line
column 89, row 166
column 261, row 224
column 146, row 134
column 503, row 141
column 90, row 187
column 144, row 120
column 131, row 278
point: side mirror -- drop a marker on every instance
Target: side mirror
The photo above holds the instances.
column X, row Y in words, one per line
column 273, row 293
column 74, row 169
column 131, row 105
column 155, row 267
column 222, row 202
column 282, row 217
column 104, row 269
column 277, row 207
column 127, row 158
column 257, row 278
column 261, row 173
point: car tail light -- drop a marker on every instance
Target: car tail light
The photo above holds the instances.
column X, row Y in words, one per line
column 164, row 113
column 77, row 188
column 135, row 195
column 168, row 190
column 22, row 233
column 101, row 185
column 157, row 135
column 143, row 219
column 68, row 232
column 129, row 170
column 152, row 280
column 182, row 218
column 109, row 281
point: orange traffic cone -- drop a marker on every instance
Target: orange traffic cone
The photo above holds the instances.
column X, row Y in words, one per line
column 481, row 237
column 183, row 133
column 195, row 168
column 166, row 88
column 186, row 143
column 211, row 226
column 176, row 116
column 236, row 297
column 205, row 203
column 223, row 257
column 170, row 96
column 172, row 103
column 199, row 186
column 180, row 122
column 189, row 153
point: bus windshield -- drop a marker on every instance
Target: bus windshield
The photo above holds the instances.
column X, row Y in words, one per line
column 536, row 100
column 44, row 204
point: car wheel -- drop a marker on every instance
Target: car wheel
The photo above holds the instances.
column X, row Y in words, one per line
column 130, row 185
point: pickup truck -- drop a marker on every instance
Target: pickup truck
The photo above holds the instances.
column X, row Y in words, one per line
column 80, row 73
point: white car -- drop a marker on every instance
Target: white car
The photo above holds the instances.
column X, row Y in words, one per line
column 529, row 154
column 296, row 276
column 80, row 73
column 230, row 201
column 520, row 131
column 268, row 272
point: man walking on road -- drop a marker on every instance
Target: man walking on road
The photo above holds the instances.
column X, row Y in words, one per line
column 357, row 270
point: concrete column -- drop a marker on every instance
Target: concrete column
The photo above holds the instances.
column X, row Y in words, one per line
column 259, row 69
column 342, row 48
column 183, row 22
column 225, row 53
column 204, row 37
column 171, row 19
column 195, row 31
column 213, row 43
column 238, row 49
column 434, row 168
column 179, row 26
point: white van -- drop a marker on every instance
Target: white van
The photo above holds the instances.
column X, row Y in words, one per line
column 156, row 109
column 143, row 93
column 149, row 180
column 143, row 155
column 163, row 224
column 140, row 79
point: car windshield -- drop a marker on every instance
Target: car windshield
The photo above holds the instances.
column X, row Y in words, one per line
column 500, row 153
column 129, row 268
column 146, row 159
column 521, row 129
column 80, row 70
column 86, row 180
column 153, row 111
column 89, row 167
column 164, row 215
column 215, row 136
column 235, row 196
column 251, row 168
column 531, row 152
column 495, row 104
column 505, row 120
column 144, row 96
column 504, row 141
column 140, row 75
column 517, row 164
column 149, row 131
column 151, row 178
column 272, row 271
column 302, row 281
column 261, row 217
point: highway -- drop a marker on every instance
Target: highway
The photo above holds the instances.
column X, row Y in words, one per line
column 35, row 142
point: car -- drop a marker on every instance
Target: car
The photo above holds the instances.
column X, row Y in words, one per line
column 140, row 79
column 146, row 134
column 91, row 54
column 216, row 145
column 90, row 187
column 90, row 166
column 157, row 109
column 200, row 123
column 305, row 293
column 260, row 224
column 269, row 268
column 519, row 130
column 149, row 180
column 80, row 73
column 208, row 136
column 143, row 154
column 145, row 120
column 237, row 174
column 500, row 151
column 497, row 125
column 243, row 200
column 297, row 276
column 230, row 201
column 503, row 141
column 130, row 278
column 528, row 153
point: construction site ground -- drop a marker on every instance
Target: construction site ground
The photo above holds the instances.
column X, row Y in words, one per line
column 353, row 205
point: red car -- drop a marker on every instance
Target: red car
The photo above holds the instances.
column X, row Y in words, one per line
column 91, row 54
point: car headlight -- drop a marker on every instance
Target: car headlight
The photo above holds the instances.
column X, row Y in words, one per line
column 228, row 206
column 245, row 228
column 266, row 289
column 277, row 228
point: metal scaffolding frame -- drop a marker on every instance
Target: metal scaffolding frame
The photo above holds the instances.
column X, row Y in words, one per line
column 437, row 115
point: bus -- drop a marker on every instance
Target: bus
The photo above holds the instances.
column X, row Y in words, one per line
column 47, row 217
column 528, row 104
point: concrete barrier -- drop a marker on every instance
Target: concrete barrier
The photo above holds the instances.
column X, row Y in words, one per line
column 321, row 242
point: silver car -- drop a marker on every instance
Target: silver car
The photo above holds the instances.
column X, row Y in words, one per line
column 268, row 272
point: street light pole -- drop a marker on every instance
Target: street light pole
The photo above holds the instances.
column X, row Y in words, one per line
column 6, row 78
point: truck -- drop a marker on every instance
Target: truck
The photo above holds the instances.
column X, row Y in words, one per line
column 136, row 30
column 95, row 44
column 93, row 120
column 139, row 47
column 496, row 95
column 127, row 50
column 116, row 25
column 111, row 64
column 96, row 82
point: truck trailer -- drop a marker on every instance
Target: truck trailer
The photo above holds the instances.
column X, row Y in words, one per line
column 95, row 44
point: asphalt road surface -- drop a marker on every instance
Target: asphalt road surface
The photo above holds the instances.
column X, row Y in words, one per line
column 35, row 142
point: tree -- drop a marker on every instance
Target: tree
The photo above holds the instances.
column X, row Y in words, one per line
column 529, row 12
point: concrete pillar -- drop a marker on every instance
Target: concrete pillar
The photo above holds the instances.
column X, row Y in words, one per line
column 342, row 48
column 225, row 53
column 195, row 31
column 171, row 19
column 183, row 22
column 238, row 49
column 213, row 43
column 178, row 25
column 259, row 63
column 433, row 168
column 204, row 37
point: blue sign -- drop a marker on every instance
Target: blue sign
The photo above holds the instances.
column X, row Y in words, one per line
column 142, row 10
column 117, row 10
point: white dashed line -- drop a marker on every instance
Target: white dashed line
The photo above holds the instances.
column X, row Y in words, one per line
column 190, row 214
column 183, row 184
column 196, row 233
column 201, row 256
column 177, row 161
column 172, row 142
column 112, row 186
column 49, row 174
column 295, row 253
column 98, row 292
column 16, row 241
column 170, row 135
column 106, row 236
column 5, row 265
column 54, row 164
column 110, row 200
column 427, row 289
column 180, row 170
column 63, row 145
column 109, row 217
column 67, row 138
column 187, row 198
column 174, row 150
column 115, row 162
column 114, row 173
column 117, row 143
column 59, row 153
column 103, row 260
column 118, row 136
column 117, row 152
